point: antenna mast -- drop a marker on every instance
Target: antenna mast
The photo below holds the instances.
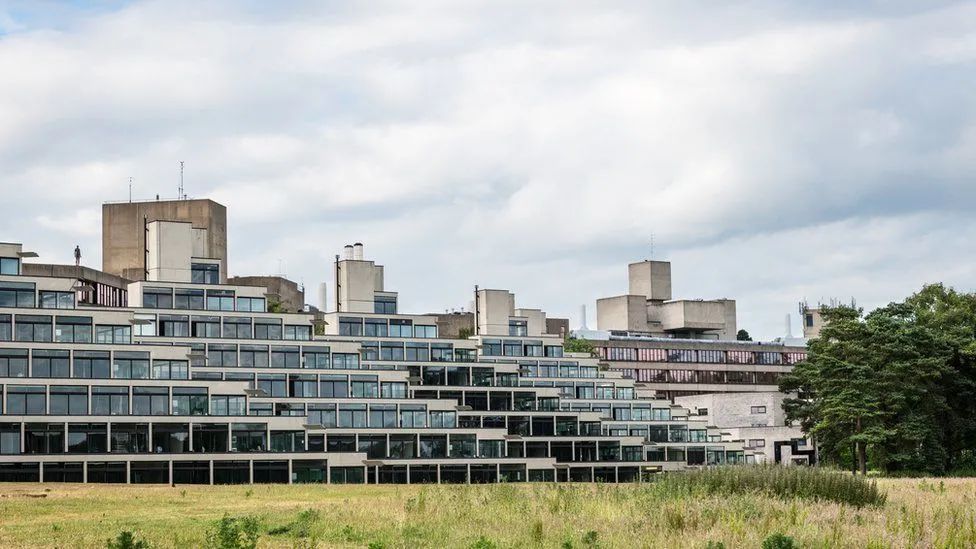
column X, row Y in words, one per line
column 180, row 194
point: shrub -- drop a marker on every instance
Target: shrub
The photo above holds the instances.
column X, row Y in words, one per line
column 126, row 540
column 483, row 543
column 234, row 533
column 779, row 541
column 773, row 480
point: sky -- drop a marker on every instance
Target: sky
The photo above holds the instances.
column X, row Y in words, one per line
column 772, row 151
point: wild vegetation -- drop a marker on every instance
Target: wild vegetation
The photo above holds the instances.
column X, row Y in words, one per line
column 698, row 511
column 893, row 390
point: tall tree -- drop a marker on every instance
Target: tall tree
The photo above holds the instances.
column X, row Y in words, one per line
column 895, row 389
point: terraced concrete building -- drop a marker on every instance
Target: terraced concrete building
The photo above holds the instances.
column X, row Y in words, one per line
column 194, row 381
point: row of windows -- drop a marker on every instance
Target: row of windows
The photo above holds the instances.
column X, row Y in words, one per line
column 415, row 352
column 105, row 401
column 497, row 347
column 556, row 369
column 61, row 329
column 276, row 356
column 649, row 375
column 54, row 363
column 134, row 438
column 198, row 299
column 381, row 327
column 701, row 356
column 232, row 327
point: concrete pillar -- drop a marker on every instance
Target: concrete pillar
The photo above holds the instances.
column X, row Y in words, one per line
column 170, row 462
column 289, row 471
column 210, row 463
column 250, row 471
column 128, row 472
column 84, row 472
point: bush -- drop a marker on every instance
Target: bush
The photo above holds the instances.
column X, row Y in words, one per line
column 773, row 480
column 779, row 541
column 234, row 533
column 126, row 540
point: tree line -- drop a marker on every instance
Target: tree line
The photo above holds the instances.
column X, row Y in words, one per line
column 892, row 390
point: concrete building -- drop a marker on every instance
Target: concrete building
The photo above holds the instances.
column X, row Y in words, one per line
column 289, row 297
column 648, row 308
column 682, row 367
column 132, row 249
column 756, row 419
column 194, row 381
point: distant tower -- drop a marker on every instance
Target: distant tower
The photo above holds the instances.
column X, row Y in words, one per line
column 583, row 317
column 77, row 255
column 323, row 297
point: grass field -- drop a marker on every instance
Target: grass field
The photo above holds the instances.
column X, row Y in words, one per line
column 918, row 513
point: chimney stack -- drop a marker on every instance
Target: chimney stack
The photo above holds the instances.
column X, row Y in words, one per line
column 357, row 251
column 583, row 317
column 347, row 252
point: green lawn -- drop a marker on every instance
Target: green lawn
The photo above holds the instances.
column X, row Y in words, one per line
column 918, row 513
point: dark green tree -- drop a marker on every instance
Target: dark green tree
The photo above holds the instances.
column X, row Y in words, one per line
column 576, row 345
column 895, row 389
column 743, row 335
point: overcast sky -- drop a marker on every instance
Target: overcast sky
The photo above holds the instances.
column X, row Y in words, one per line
column 775, row 153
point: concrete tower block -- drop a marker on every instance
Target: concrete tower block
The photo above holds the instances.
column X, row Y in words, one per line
column 651, row 279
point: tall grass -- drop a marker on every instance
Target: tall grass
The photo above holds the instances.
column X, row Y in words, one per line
column 776, row 481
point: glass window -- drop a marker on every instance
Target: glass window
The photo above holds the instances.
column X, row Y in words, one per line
column 376, row 327
column 57, row 300
column 157, row 298
column 17, row 294
column 333, row 386
column 87, row 438
column 110, row 401
column 150, row 401
column 316, row 357
column 350, row 326
column 401, row 327
column 130, row 365
column 220, row 300
column 187, row 298
column 113, row 334
column 68, row 400
column 174, row 325
column 190, row 401
column 221, row 355
column 251, row 304
column 297, row 333
column 50, row 363
column 267, row 328
column 6, row 328
column 237, row 327
column 33, row 328
column 385, row 305
column 73, row 329
column 205, row 326
column 170, row 369
column 255, row 356
column 285, row 356
column 13, row 362
column 26, row 400
column 204, row 273
column 91, row 365
column 10, row 265
column 144, row 325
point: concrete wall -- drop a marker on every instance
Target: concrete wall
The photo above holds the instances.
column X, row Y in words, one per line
column 624, row 312
column 811, row 316
column 685, row 315
column 123, row 238
column 450, row 324
column 557, row 326
column 735, row 409
column 357, row 284
column 495, row 308
column 286, row 292
column 651, row 279
column 170, row 246
column 536, row 320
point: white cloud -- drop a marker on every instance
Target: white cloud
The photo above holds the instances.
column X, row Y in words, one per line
column 532, row 146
